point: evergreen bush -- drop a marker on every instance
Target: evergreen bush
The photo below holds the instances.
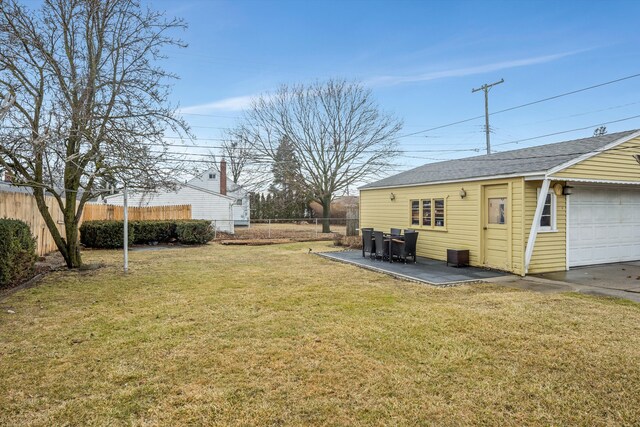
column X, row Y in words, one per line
column 194, row 232
column 104, row 234
column 109, row 234
column 17, row 252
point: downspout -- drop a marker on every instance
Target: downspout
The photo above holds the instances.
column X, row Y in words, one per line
column 535, row 225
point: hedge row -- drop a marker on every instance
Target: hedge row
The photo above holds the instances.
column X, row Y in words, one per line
column 110, row 234
column 17, row 252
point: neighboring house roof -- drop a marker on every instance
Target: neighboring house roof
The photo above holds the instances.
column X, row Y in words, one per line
column 181, row 184
column 7, row 187
column 204, row 190
column 524, row 161
column 346, row 201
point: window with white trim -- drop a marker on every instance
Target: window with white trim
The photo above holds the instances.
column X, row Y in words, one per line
column 548, row 217
column 415, row 212
column 428, row 213
column 438, row 212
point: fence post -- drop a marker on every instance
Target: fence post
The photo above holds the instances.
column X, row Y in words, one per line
column 269, row 228
column 352, row 222
column 316, row 228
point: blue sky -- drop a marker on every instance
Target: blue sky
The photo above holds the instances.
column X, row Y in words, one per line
column 421, row 59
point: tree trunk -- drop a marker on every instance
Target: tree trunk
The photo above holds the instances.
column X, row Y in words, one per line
column 326, row 214
column 73, row 258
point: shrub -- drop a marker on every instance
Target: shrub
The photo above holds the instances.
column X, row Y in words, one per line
column 17, row 252
column 351, row 242
column 108, row 234
column 194, row 232
column 104, row 234
column 153, row 231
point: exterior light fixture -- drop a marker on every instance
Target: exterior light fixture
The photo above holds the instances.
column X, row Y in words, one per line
column 463, row 193
column 566, row 190
column 558, row 189
column 392, row 197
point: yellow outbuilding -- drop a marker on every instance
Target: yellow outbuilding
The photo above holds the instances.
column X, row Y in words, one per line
column 532, row 210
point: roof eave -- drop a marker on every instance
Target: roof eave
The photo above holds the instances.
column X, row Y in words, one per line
column 479, row 178
column 592, row 153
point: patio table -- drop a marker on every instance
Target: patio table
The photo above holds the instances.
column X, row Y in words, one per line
column 392, row 238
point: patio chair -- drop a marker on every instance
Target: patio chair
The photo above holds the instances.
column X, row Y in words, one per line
column 382, row 247
column 406, row 248
column 368, row 244
column 396, row 232
column 409, row 230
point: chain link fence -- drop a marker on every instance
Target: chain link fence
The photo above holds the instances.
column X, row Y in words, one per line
column 286, row 229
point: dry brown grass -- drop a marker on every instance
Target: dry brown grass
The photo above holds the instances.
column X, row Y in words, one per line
column 292, row 231
column 274, row 336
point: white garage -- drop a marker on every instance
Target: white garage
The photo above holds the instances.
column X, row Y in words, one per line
column 603, row 224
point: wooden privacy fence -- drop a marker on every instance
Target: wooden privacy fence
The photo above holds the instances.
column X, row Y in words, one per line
column 23, row 206
column 112, row 212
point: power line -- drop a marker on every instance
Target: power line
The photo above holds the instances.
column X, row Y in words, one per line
column 523, row 105
column 573, row 92
column 568, row 131
column 584, row 113
column 208, row 115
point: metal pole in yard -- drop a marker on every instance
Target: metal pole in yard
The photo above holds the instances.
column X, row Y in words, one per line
column 269, row 228
column 126, row 231
column 316, row 228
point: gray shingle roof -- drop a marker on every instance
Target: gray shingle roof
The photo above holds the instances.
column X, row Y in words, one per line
column 7, row 187
column 522, row 161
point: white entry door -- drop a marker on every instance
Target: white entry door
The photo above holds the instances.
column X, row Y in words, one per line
column 604, row 225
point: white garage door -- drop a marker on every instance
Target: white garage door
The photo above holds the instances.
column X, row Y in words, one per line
column 604, row 225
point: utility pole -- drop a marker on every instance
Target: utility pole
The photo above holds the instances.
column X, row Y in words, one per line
column 486, row 87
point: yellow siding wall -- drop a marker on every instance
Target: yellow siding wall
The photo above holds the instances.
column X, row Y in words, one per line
column 549, row 252
column 616, row 164
column 463, row 217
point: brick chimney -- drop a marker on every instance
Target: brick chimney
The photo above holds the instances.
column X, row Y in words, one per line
column 223, row 177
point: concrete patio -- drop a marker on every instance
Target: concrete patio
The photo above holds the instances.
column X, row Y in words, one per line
column 620, row 280
column 430, row 271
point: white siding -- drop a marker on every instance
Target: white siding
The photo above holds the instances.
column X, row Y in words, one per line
column 241, row 213
column 203, row 181
column 203, row 205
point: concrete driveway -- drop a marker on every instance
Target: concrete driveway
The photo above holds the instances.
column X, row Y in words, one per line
column 621, row 280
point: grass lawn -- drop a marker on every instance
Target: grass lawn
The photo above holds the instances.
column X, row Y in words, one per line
column 271, row 335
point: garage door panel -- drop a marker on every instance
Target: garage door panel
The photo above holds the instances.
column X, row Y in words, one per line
column 604, row 225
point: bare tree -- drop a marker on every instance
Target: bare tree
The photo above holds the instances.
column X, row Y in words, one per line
column 7, row 102
column 238, row 153
column 337, row 132
column 245, row 166
column 90, row 102
column 602, row 130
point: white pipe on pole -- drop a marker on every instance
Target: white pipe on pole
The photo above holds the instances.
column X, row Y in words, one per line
column 126, row 232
